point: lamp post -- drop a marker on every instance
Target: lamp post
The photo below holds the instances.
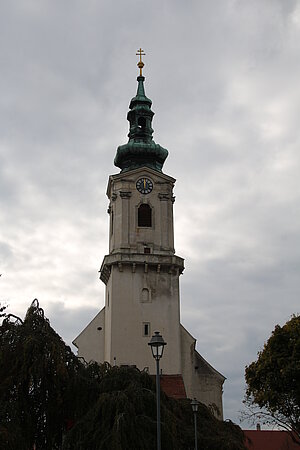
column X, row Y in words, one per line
column 195, row 404
column 157, row 347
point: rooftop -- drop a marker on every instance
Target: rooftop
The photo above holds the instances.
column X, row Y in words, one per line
column 269, row 440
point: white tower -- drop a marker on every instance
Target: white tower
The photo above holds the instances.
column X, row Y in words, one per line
column 141, row 271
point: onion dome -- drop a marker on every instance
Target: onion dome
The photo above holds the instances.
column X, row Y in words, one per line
column 141, row 150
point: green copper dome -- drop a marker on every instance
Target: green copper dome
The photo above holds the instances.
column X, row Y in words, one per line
column 140, row 150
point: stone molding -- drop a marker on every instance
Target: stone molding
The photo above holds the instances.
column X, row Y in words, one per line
column 125, row 194
column 174, row 265
column 164, row 196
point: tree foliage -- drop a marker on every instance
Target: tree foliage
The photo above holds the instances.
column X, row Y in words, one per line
column 49, row 398
column 273, row 381
column 38, row 375
column 124, row 417
column 2, row 309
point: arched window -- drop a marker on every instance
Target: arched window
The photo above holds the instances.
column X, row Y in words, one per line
column 144, row 215
column 145, row 295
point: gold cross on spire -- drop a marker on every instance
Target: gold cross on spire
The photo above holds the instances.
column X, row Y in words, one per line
column 140, row 64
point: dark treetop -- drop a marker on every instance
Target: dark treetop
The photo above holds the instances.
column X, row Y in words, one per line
column 53, row 400
column 141, row 150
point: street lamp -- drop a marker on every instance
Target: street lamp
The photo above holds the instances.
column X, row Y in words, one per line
column 157, row 347
column 195, row 404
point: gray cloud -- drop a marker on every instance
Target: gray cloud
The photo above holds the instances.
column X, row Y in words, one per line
column 224, row 80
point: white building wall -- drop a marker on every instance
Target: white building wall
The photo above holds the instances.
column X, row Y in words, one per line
column 129, row 345
column 201, row 380
column 90, row 342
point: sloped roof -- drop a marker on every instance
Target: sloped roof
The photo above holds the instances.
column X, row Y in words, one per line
column 269, row 440
column 173, row 386
column 202, row 366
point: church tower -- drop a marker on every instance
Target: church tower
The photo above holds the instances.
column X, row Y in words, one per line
column 141, row 271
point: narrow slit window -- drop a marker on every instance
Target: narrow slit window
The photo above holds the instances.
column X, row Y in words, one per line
column 145, row 216
column 146, row 329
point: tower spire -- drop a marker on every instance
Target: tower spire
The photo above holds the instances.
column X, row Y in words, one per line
column 141, row 150
column 140, row 64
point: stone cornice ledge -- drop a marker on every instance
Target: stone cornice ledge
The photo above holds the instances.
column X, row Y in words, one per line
column 135, row 259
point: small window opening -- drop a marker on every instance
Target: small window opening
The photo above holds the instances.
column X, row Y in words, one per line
column 146, row 250
column 146, row 329
column 141, row 122
column 145, row 216
column 145, row 295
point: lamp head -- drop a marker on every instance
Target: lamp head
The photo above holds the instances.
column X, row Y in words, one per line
column 157, row 344
column 194, row 404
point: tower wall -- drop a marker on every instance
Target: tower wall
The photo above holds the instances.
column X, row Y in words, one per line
column 140, row 296
column 125, row 234
column 141, row 273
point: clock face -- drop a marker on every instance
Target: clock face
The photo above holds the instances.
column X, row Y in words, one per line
column 144, row 185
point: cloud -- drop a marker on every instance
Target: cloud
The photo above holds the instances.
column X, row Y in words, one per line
column 224, row 80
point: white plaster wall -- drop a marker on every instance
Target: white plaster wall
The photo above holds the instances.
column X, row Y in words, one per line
column 129, row 312
column 187, row 358
column 108, row 321
column 201, row 380
column 90, row 342
column 126, row 313
column 124, row 202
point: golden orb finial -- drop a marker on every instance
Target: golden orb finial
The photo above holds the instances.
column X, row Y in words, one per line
column 140, row 64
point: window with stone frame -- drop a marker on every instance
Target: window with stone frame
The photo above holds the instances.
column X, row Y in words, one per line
column 145, row 295
column 145, row 215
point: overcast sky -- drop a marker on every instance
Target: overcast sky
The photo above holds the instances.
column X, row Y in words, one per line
column 223, row 76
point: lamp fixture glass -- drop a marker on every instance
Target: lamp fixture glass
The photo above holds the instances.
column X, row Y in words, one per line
column 195, row 405
column 157, row 345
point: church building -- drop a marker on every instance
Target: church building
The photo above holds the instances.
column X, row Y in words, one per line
column 141, row 272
